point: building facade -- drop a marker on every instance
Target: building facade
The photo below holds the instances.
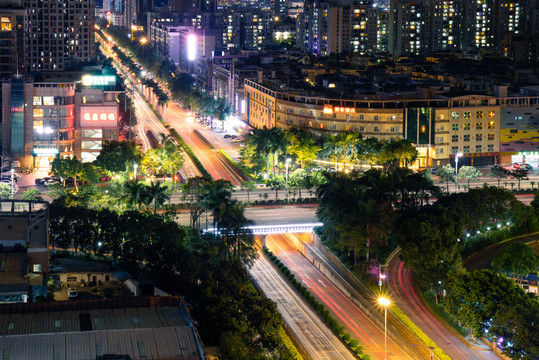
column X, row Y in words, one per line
column 12, row 40
column 24, row 250
column 70, row 118
column 476, row 126
column 60, row 34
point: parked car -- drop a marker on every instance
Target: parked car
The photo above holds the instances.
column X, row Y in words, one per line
column 72, row 293
column 227, row 136
column 526, row 166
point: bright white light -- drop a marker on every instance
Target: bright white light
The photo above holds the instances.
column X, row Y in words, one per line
column 191, row 47
column 383, row 301
column 143, row 73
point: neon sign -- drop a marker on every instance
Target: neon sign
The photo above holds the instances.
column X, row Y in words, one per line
column 99, row 116
column 98, row 80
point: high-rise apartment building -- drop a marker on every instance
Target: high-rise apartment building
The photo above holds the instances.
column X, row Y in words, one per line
column 337, row 26
column 409, row 23
column 445, row 25
column 12, row 38
column 60, row 33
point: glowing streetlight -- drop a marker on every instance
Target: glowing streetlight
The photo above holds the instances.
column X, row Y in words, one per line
column 457, row 155
column 385, row 303
column 287, row 162
column 143, row 40
column 12, row 175
column 135, row 166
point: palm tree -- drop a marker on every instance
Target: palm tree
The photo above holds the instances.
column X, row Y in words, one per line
column 349, row 140
column 260, row 139
column 157, row 194
column 217, row 195
column 134, row 194
column 278, row 144
column 334, row 142
column 165, row 139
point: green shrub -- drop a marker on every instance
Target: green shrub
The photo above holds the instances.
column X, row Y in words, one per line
column 364, row 357
column 346, row 337
column 354, row 343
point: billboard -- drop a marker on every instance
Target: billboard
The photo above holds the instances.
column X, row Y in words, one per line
column 102, row 116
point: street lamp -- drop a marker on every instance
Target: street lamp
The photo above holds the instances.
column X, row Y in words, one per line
column 288, row 160
column 385, row 303
column 189, row 120
column 12, row 175
column 457, row 155
column 135, row 166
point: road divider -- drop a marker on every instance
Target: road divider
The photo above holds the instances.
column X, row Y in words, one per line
column 191, row 154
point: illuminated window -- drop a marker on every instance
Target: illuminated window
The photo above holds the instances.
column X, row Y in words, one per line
column 455, row 127
column 478, row 137
column 5, row 24
column 321, row 125
column 38, row 113
column 37, row 100
column 491, row 124
column 479, row 126
column 423, row 128
column 48, row 100
column 491, row 114
column 466, row 126
column 455, row 115
column 491, row 136
column 467, row 115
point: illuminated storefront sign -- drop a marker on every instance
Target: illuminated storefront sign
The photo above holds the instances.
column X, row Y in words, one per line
column 98, row 116
column 45, row 151
column 98, row 80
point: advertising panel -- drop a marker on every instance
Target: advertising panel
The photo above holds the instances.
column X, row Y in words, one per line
column 102, row 116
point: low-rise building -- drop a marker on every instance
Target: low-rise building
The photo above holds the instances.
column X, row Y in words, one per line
column 24, row 250
column 475, row 125
column 124, row 328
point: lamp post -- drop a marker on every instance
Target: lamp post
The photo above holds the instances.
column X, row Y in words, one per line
column 457, row 155
column 385, row 303
column 288, row 160
column 12, row 175
column 135, row 166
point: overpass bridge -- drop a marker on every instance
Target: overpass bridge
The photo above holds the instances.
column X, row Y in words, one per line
column 275, row 229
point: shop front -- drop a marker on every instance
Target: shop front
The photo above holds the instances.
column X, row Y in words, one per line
column 44, row 155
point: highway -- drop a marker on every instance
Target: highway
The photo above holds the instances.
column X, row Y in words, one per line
column 315, row 337
column 356, row 322
column 404, row 294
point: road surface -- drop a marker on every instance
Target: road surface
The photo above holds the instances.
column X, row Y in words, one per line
column 315, row 337
column 356, row 322
column 404, row 294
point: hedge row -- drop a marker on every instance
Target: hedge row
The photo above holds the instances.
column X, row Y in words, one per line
column 191, row 154
column 419, row 333
column 320, row 308
column 287, row 342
